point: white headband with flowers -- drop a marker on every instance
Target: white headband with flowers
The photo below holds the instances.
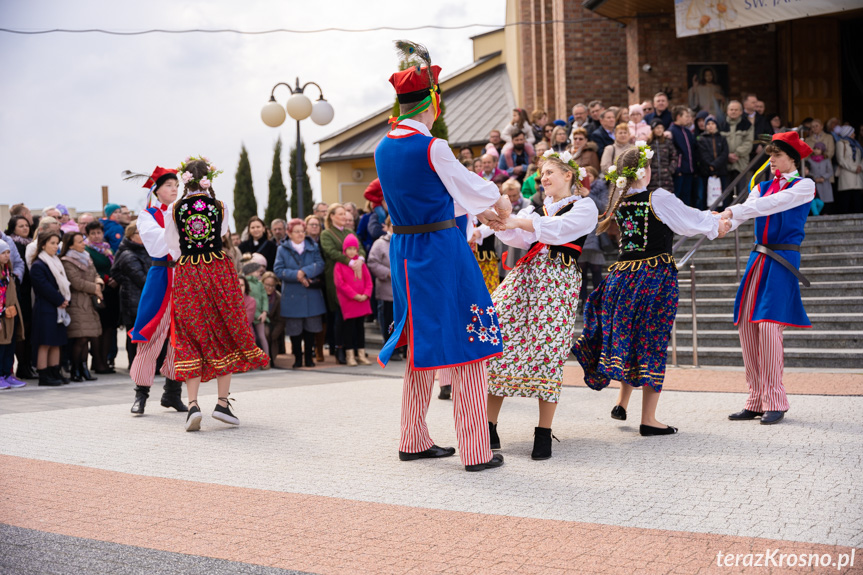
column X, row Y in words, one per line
column 206, row 181
column 631, row 174
column 566, row 158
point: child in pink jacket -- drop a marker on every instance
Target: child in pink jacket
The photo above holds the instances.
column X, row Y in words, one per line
column 353, row 294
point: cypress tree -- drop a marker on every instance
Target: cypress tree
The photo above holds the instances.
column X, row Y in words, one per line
column 245, row 204
column 277, row 201
column 307, row 186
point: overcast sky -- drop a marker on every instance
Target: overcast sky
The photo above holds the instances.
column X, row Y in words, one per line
column 78, row 109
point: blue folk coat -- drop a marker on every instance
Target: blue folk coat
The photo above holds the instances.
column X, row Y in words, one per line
column 777, row 295
column 44, row 326
column 297, row 300
column 438, row 289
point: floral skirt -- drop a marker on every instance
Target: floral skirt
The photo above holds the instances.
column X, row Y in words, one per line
column 209, row 331
column 490, row 273
column 536, row 308
column 627, row 325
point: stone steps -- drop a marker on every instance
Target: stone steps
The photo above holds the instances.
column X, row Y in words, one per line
column 708, row 322
column 729, row 289
column 794, row 357
column 806, row 338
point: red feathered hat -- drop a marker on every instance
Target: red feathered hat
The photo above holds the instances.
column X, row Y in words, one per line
column 791, row 144
column 159, row 174
column 374, row 193
column 412, row 86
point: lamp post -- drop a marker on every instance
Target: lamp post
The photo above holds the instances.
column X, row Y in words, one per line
column 299, row 107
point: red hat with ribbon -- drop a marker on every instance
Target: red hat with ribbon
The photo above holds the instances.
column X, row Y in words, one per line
column 791, row 144
column 374, row 193
column 157, row 178
column 417, row 83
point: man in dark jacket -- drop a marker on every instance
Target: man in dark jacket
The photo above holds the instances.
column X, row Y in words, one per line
column 604, row 135
column 660, row 110
column 131, row 264
column 712, row 155
column 684, row 141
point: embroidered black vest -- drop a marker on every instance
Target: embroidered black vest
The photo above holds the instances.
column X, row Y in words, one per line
column 568, row 252
column 199, row 223
column 485, row 250
column 643, row 236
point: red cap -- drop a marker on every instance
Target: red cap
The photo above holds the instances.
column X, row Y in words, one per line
column 374, row 193
column 157, row 173
column 412, row 86
column 791, row 144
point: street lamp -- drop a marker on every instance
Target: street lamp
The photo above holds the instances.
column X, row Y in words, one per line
column 299, row 107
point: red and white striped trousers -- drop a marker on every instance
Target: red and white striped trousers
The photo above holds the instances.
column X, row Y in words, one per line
column 469, row 390
column 143, row 369
column 763, row 354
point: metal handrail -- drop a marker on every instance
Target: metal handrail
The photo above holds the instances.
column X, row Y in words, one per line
column 729, row 190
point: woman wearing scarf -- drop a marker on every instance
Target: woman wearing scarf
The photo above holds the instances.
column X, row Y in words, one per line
column 109, row 314
column 52, row 290
column 18, row 231
column 11, row 327
column 849, row 171
column 84, row 326
column 821, row 170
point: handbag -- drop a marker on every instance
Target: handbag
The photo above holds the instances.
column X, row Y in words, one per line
column 98, row 303
column 714, row 189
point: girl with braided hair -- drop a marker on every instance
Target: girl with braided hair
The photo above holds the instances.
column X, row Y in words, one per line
column 628, row 318
column 208, row 330
column 536, row 302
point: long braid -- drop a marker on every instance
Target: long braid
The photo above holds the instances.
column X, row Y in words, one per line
column 613, row 204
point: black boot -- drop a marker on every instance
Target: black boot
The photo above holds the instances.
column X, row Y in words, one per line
column 297, row 350
column 75, row 372
column 340, row 356
column 172, row 396
column 141, row 395
column 26, row 372
column 46, row 377
column 542, row 443
column 445, row 392
column 309, row 349
column 493, row 437
column 55, row 370
column 85, row 372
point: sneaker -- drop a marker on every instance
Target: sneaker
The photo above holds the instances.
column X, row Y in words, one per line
column 14, row 381
column 193, row 420
column 3, row 383
column 224, row 414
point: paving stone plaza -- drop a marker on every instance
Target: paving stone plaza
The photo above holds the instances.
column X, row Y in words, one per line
column 310, row 482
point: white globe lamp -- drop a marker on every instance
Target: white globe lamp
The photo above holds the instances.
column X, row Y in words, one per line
column 299, row 106
column 322, row 112
column 273, row 114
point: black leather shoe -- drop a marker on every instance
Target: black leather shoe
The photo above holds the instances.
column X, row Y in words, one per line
column 647, row 430
column 495, row 461
column 445, row 392
column 172, row 397
column 745, row 415
column 340, row 356
column 85, row 372
column 617, row 412
column 26, row 372
column 432, row 452
column 55, row 370
column 542, row 437
column 494, row 440
column 298, row 362
column 771, row 417
column 75, row 373
column 48, row 378
column 141, row 395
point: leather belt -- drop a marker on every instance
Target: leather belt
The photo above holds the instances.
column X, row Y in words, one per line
column 164, row 264
column 768, row 250
column 424, row 228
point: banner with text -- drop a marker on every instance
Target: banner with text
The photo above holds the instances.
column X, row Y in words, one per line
column 706, row 16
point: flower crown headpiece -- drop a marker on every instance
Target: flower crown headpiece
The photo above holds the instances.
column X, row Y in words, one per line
column 566, row 158
column 631, row 174
column 207, row 180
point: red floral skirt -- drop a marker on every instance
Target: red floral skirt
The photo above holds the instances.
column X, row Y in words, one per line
column 209, row 331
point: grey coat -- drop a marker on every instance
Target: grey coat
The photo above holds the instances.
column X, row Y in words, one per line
column 379, row 264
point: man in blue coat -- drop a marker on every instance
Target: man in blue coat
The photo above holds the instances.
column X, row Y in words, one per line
column 442, row 309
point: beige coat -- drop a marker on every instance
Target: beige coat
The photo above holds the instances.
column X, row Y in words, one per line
column 85, row 320
column 611, row 153
column 827, row 140
column 740, row 143
column 7, row 324
column 846, row 168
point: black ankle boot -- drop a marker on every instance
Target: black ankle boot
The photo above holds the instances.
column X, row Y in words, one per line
column 297, row 350
column 172, row 396
column 55, row 371
column 85, row 372
column 46, row 377
column 494, row 440
column 309, row 349
column 340, row 356
column 141, row 395
column 542, row 443
column 75, row 373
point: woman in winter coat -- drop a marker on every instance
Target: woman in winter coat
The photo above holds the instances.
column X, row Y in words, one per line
column 664, row 161
column 84, row 325
column 712, row 153
column 103, row 258
column 379, row 265
column 621, row 144
column 332, row 241
column 130, row 268
column 583, row 151
column 638, row 128
column 276, row 326
column 52, row 294
column 300, row 268
column 11, row 323
column 849, row 172
column 18, row 231
column 259, row 241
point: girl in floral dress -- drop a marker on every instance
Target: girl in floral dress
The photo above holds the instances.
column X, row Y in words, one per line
column 536, row 301
column 628, row 318
column 209, row 331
